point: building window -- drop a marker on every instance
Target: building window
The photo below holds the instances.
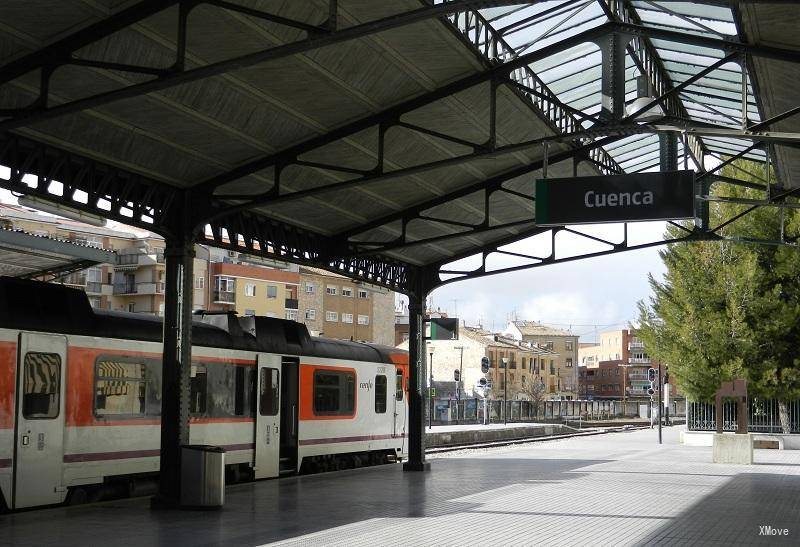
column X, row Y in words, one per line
column 334, row 393
column 362, row 293
column 310, row 288
column 568, row 345
column 226, row 284
column 132, row 307
column 291, row 315
column 272, row 291
column 381, row 387
column 549, row 344
column 311, row 315
column 331, row 316
column 249, row 289
column 249, row 312
column 347, row 291
column 331, row 290
column 41, row 391
column 200, row 282
column 363, row 319
column 347, row 318
column 569, row 361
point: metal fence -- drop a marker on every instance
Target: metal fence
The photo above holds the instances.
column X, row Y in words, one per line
column 470, row 411
column 763, row 416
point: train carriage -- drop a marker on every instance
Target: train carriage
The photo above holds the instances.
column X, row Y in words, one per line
column 80, row 397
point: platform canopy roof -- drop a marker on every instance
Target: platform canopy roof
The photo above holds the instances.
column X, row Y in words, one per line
column 381, row 140
column 39, row 257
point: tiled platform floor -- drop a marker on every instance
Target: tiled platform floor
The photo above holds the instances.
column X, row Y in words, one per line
column 616, row 489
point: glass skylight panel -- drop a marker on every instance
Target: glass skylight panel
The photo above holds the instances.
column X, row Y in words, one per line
column 575, row 74
column 704, row 12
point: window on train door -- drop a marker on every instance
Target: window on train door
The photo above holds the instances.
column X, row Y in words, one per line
column 334, row 393
column 41, row 385
column 381, row 388
column 398, row 386
column 198, row 397
column 268, row 392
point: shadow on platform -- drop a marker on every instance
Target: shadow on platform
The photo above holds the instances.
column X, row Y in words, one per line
column 267, row 511
column 734, row 513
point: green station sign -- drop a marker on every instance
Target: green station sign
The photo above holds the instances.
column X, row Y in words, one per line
column 615, row 198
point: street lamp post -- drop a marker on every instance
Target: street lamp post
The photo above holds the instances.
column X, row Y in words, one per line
column 460, row 380
column 504, row 360
column 430, row 390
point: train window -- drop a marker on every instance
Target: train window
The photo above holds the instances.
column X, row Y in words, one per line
column 398, row 386
column 334, row 393
column 381, row 387
column 41, row 385
column 198, row 390
column 268, row 392
column 120, row 388
column 238, row 404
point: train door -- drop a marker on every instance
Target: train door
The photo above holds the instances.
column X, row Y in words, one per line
column 289, row 415
column 39, row 433
column 399, row 405
column 268, row 416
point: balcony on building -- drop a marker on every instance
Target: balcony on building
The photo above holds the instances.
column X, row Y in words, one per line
column 639, row 360
column 145, row 288
column 291, row 304
column 635, row 344
column 141, row 257
column 94, row 288
column 224, row 297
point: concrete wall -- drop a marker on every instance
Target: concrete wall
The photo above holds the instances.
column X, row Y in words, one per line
column 383, row 317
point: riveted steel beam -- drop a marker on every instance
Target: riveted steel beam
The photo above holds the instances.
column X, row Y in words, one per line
column 182, row 76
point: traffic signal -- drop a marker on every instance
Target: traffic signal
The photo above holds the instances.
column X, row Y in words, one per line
column 484, row 365
column 457, row 375
column 482, row 382
column 651, row 391
column 652, row 374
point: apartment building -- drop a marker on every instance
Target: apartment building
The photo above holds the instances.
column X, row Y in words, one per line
column 519, row 362
column 335, row 306
column 135, row 283
column 254, row 290
column 618, row 350
column 562, row 370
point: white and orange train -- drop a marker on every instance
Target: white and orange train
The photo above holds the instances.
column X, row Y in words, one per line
column 80, row 397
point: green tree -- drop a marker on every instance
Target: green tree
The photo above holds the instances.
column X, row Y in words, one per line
column 729, row 309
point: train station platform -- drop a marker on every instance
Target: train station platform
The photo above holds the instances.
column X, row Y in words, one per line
column 620, row 488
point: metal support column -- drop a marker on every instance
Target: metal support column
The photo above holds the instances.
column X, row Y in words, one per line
column 176, row 366
column 668, row 151
column 612, row 87
column 416, row 376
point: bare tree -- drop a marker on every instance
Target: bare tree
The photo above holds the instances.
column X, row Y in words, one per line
column 535, row 391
